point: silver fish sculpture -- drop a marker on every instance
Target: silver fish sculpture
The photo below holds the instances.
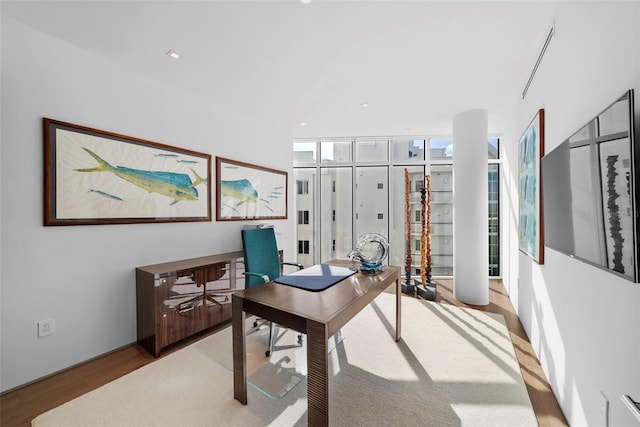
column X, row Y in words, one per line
column 177, row 186
column 240, row 189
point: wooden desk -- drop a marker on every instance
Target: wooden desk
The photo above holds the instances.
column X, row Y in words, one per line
column 317, row 314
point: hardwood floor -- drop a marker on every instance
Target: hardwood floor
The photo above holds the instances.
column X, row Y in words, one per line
column 543, row 400
column 18, row 407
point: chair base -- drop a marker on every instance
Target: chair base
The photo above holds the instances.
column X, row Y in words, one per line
column 259, row 322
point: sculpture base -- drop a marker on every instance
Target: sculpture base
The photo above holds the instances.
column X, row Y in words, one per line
column 408, row 288
column 371, row 267
column 428, row 292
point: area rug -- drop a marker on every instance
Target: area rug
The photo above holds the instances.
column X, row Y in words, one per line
column 453, row 367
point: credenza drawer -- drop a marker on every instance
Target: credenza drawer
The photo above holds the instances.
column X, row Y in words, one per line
column 177, row 299
column 180, row 323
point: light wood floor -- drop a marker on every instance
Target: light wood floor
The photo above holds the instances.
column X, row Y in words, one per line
column 18, row 407
column 542, row 398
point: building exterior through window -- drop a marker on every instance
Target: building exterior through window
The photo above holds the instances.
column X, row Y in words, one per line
column 357, row 186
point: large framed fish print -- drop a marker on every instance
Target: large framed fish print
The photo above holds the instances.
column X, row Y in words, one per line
column 531, row 148
column 98, row 177
column 246, row 191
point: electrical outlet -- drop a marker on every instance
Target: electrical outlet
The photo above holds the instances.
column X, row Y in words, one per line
column 45, row 327
column 604, row 409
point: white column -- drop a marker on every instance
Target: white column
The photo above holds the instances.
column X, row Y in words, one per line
column 470, row 208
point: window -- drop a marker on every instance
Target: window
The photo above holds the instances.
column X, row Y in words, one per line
column 441, row 149
column 493, row 148
column 303, row 187
column 303, row 246
column 407, row 150
column 335, row 151
column 306, row 207
column 303, row 217
column 441, row 219
column 370, row 200
column 372, row 150
column 332, row 237
column 304, row 152
column 357, row 186
column 494, row 221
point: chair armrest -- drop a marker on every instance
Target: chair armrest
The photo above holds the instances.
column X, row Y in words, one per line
column 300, row 266
column 264, row 277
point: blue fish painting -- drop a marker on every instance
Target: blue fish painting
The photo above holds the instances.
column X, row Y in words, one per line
column 177, row 186
column 240, row 189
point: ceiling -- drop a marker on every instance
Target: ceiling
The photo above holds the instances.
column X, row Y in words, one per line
column 416, row 63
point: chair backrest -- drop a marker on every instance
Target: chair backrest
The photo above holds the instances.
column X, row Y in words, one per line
column 260, row 254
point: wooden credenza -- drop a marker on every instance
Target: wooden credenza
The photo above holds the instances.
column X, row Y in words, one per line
column 177, row 299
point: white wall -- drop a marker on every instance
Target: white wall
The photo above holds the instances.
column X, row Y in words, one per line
column 83, row 276
column 583, row 323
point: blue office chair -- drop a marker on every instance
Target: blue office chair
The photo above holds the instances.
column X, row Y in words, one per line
column 262, row 264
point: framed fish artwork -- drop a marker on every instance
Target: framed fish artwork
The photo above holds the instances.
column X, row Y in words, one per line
column 246, row 191
column 98, row 177
column 531, row 149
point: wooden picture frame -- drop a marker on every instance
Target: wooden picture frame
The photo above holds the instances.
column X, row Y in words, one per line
column 249, row 192
column 531, row 226
column 97, row 177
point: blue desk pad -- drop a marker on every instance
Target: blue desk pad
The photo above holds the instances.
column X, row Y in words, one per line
column 316, row 278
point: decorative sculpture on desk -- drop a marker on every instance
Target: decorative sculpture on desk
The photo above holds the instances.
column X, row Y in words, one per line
column 371, row 250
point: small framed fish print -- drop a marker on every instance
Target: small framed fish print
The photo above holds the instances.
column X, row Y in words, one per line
column 246, row 191
column 98, row 177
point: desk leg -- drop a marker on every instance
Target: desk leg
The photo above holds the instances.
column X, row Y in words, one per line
column 239, row 350
column 398, row 310
column 317, row 374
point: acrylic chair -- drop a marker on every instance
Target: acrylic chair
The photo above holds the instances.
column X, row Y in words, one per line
column 262, row 264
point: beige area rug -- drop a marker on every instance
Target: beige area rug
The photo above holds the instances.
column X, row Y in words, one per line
column 453, row 367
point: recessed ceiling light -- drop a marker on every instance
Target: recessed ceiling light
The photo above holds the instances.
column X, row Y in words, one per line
column 305, row 1
column 364, row 104
column 302, row 123
column 173, row 54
